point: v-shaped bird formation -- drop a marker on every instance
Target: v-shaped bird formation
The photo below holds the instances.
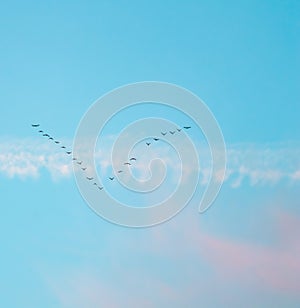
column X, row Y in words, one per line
column 81, row 163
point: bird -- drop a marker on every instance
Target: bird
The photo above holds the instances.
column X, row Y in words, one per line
column 187, row 127
column 63, row 147
column 100, row 187
column 57, row 142
column 69, row 152
column 172, row 132
column 155, row 139
column 163, row 133
column 79, row 162
column 111, row 178
column 129, row 164
column 120, row 171
column 89, row 178
column 179, row 129
column 132, row 158
column 83, row 168
column 41, row 131
column 35, row 125
column 50, row 138
column 148, row 143
column 74, row 158
column 46, row 135
column 95, row 183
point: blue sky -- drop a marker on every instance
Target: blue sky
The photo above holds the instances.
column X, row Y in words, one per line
column 242, row 59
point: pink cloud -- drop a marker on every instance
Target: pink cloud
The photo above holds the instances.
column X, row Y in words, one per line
column 272, row 266
column 186, row 250
column 275, row 266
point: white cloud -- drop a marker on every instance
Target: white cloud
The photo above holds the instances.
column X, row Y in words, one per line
column 26, row 158
column 252, row 163
column 263, row 164
column 295, row 175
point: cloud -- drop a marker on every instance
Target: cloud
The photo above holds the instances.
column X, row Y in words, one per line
column 271, row 266
column 27, row 158
column 274, row 266
column 181, row 263
column 295, row 175
column 83, row 289
column 246, row 163
column 263, row 164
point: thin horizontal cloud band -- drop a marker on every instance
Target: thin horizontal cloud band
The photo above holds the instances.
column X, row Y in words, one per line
column 257, row 164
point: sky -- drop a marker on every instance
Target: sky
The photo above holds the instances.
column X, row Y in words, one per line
column 242, row 60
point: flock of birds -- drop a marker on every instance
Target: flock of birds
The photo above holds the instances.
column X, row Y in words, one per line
column 81, row 163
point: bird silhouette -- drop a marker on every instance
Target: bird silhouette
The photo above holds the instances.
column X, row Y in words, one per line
column 155, row 139
column 35, row 125
column 89, row 178
column 179, row 129
column 63, row 147
column 163, row 133
column 79, row 162
column 129, row 164
column 57, row 142
column 95, row 183
column 120, row 171
column 148, row 143
column 69, row 152
column 187, row 127
column 132, row 158
column 83, row 168
column 50, row 138
column 46, row 135
column 111, row 178
column 172, row 132
column 100, row 187
column 41, row 131
column 74, row 158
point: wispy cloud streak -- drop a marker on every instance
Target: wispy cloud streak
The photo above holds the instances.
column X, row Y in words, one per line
column 251, row 163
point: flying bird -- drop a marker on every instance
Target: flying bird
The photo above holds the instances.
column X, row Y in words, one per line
column 74, row 158
column 41, row 131
column 129, row 164
column 50, row 138
column 111, row 178
column 63, row 147
column 155, row 139
column 120, row 171
column 132, row 158
column 46, row 135
column 187, row 127
column 57, row 142
column 148, row 143
column 83, row 169
column 89, row 178
column 163, row 133
column 69, row 152
column 79, row 162
column 95, row 183
column 179, row 129
column 100, row 187
column 172, row 132
column 35, row 125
